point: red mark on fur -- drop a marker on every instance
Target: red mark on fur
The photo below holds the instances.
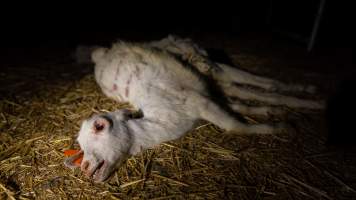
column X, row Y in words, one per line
column 137, row 72
column 127, row 91
column 129, row 80
column 114, row 87
column 117, row 72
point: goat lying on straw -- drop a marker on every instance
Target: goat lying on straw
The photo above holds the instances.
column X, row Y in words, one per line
column 173, row 83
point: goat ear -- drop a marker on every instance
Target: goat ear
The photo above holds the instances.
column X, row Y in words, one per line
column 130, row 114
column 97, row 54
column 135, row 114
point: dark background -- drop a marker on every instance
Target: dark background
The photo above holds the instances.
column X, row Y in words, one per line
column 62, row 25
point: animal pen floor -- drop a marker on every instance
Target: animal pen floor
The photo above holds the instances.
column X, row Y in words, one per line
column 45, row 97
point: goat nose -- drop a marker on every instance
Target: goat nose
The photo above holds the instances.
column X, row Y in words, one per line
column 85, row 166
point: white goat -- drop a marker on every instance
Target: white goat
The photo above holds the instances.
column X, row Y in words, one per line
column 167, row 81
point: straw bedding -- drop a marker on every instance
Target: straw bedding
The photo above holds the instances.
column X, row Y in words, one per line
column 41, row 111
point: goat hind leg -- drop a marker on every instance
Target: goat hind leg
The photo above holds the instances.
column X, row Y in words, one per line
column 256, row 110
column 272, row 98
column 232, row 74
column 212, row 112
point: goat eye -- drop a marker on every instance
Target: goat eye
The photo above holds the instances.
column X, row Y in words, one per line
column 98, row 126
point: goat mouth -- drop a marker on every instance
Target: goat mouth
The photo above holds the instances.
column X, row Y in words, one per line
column 98, row 171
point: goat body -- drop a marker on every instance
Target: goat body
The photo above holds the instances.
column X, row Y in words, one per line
column 167, row 81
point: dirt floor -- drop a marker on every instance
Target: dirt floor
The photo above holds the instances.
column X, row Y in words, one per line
column 45, row 96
